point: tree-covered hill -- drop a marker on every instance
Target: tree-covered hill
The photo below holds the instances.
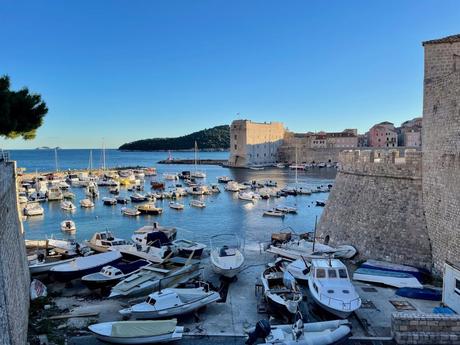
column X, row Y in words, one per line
column 213, row 138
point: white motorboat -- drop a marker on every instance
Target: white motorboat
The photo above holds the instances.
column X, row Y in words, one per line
column 172, row 302
column 223, row 179
column 280, row 165
column 248, row 196
column 104, row 241
column 137, row 197
column 149, row 208
column 300, row 269
column 296, row 167
column 148, row 279
column 151, row 253
column 176, row 205
column 132, row 212
column 395, row 279
column 296, row 248
column 92, row 190
column 274, row 213
column 331, row 287
column 170, row 176
column 68, row 195
column 281, row 291
column 185, row 248
column 232, row 186
column 54, row 193
column 198, row 203
column 215, row 188
column 169, row 231
column 109, row 201
column 286, row 209
column 86, row 203
column 299, row 333
column 42, row 263
column 226, row 256
column 68, row 226
column 68, row 206
column 137, row 332
column 33, row 209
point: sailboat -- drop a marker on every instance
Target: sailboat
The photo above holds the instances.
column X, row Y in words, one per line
column 196, row 173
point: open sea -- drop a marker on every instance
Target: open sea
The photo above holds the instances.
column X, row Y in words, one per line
column 224, row 212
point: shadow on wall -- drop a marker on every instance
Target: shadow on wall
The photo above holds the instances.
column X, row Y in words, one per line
column 265, row 153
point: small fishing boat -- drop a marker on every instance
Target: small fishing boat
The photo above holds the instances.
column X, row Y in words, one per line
column 300, row 333
column 172, row 302
column 280, row 165
column 43, row 263
column 137, row 197
column 185, row 248
column 391, row 267
column 109, row 201
column 215, row 188
column 114, row 190
column 137, row 332
column 68, row 226
column 86, row 203
column 286, row 209
column 68, row 206
column 170, row 176
column 92, row 190
column 232, row 186
column 131, row 212
column 320, row 203
column 169, row 231
column 33, row 209
column 157, row 185
column 248, row 196
column 395, row 279
column 82, row 266
column 420, row 293
column 150, row 208
column 111, row 275
column 226, row 255
column 68, row 195
column 176, row 205
column 274, row 213
column 198, row 203
column 331, row 287
column 224, row 179
column 281, row 291
column 122, row 200
column 54, row 194
column 103, row 241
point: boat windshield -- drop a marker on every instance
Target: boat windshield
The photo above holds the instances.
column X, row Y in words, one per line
column 343, row 273
column 332, row 273
column 151, row 301
column 320, row 273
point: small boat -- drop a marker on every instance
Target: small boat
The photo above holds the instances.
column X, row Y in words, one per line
column 331, row 287
column 132, row 212
column 296, row 167
column 109, row 201
column 103, row 241
column 86, row 203
column 256, row 167
column 150, row 208
column 320, row 203
column 33, row 209
column 122, row 200
column 169, row 231
column 68, row 206
column 176, row 205
column 68, row 226
column 299, row 269
column 280, row 165
column 226, row 259
column 114, row 190
column 423, row 293
column 43, row 263
column 54, row 194
column 215, row 188
column 185, row 248
column 111, row 275
column 395, row 279
column 286, row 209
column 137, row 197
column 198, row 203
column 137, row 332
column 232, row 186
column 68, row 195
column 270, row 183
column 224, row 179
column 274, row 213
column 172, row 302
column 300, row 333
column 82, row 266
column 281, row 291
column 248, row 196
column 391, row 267
column 92, row 190
column 170, row 176
column 157, row 185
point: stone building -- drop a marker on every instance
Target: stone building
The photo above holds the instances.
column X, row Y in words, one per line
column 410, row 133
column 253, row 143
column 441, row 147
column 383, row 135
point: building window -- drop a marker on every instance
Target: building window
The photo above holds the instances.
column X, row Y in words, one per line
column 457, row 286
column 235, row 136
column 235, row 146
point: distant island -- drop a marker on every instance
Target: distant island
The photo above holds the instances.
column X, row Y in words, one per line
column 216, row 138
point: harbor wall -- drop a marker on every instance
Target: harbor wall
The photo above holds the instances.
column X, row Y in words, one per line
column 441, row 147
column 376, row 205
column 14, row 270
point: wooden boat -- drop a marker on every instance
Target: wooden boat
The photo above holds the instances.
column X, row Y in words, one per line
column 170, row 273
column 198, row 203
column 281, row 291
column 395, row 279
column 172, row 302
column 137, row 332
column 86, row 203
column 315, row 333
column 109, row 201
column 226, row 259
column 423, row 293
column 274, row 213
column 111, row 275
column 68, row 226
column 132, row 212
column 103, row 241
column 82, row 266
column 42, row 263
column 331, row 287
column 176, row 205
column 150, row 208
column 391, row 267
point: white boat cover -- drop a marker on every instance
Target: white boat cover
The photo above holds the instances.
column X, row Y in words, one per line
column 129, row 329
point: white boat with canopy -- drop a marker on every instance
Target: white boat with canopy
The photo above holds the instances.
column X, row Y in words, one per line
column 226, row 255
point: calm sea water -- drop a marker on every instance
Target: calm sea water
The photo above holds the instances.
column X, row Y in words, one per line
column 224, row 213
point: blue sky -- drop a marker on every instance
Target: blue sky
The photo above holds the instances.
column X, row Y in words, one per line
column 127, row 70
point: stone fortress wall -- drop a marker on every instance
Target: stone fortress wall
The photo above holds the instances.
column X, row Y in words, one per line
column 14, row 270
column 376, row 205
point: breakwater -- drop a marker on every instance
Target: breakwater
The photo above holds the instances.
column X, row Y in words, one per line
column 191, row 161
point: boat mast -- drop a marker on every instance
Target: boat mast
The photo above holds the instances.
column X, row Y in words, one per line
column 90, row 166
column 103, row 155
column 56, row 159
column 296, row 165
column 196, row 149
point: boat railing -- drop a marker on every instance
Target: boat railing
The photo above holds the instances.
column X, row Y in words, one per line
column 327, row 300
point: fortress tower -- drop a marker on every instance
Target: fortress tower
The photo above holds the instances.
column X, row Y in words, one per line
column 441, row 148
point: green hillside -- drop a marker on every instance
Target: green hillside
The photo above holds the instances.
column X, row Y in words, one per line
column 213, row 138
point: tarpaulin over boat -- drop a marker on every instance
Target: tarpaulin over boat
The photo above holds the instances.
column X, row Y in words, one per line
column 128, row 329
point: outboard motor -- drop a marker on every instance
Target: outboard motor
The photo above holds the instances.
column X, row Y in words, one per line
column 262, row 330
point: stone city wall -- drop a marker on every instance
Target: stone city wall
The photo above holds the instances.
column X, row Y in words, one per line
column 286, row 154
column 376, row 206
column 14, row 270
column 418, row 328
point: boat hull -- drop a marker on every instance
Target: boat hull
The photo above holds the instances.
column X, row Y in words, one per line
column 142, row 340
column 65, row 276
